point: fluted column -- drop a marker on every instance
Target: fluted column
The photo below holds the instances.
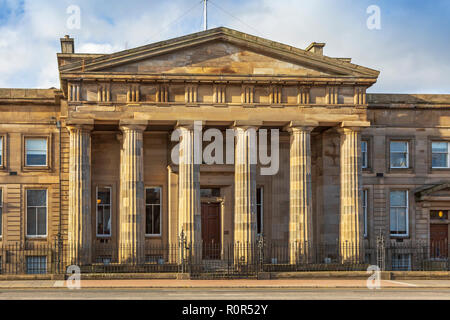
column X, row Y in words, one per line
column 79, row 234
column 189, row 209
column 351, row 229
column 300, row 202
column 245, row 193
column 132, row 204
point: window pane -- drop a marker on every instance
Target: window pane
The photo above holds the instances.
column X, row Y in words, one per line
column 41, row 221
column 99, row 220
column 398, row 199
column 37, row 145
column 401, row 214
column 36, row 152
column 104, row 196
column 153, row 196
column 440, row 147
column 259, row 219
column 363, row 146
column 31, row 222
column 156, row 220
column 399, row 146
column 398, row 160
column 148, row 219
column 393, row 219
column 1, row 151
column 259, row 195
column 107, row 220
column 439, row 160
column 36, row 198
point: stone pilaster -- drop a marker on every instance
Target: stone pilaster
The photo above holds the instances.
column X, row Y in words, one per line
column 300, row 202
column 351, row 230
column 80, row 195
column 245, row 193
column 132, row 203
column 189, row 208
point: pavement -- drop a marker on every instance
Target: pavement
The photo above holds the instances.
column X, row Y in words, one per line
column 216, row 284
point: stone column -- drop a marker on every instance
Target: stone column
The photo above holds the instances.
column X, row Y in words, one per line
column 80, row 194
column 132, row 203
column 351, row 229
column 245, row 193
column 300, row 202
column 189, row 209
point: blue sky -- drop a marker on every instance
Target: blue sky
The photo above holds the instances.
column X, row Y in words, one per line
column 412, row 48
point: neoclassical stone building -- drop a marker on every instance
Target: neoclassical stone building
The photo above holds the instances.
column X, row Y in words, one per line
column 91, row 163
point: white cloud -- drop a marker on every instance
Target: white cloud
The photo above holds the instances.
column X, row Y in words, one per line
column 411, row 57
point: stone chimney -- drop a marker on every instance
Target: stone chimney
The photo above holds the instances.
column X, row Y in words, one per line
column 67, row 45
column 316, row 48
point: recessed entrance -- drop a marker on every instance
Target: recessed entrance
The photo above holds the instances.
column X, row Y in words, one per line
column 439, row 241
column 211, row 231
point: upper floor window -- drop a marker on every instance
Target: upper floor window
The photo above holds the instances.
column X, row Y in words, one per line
column 36, row 152
column 153, row 211
column 439, row 155
column 364, row 154
column 399, row 212
column 364, row 207
column 104, row 212
column 259, row 210
column 36, row 213
column 399, row 154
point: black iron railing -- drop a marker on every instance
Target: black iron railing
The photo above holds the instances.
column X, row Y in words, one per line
column 223, row 260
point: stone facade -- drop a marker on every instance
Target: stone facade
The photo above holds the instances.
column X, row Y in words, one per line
column 109, row 128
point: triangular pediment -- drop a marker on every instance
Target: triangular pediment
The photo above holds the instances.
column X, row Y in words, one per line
column 219, row 51
column 437, row 190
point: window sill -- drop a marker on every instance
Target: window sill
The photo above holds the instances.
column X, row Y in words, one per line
column 36, row 238
column 153, row 236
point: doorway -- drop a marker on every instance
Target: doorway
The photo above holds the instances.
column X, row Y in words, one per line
column 439, row 241
column 211, row 231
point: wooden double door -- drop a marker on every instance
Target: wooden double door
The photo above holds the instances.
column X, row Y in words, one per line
column 211, row 231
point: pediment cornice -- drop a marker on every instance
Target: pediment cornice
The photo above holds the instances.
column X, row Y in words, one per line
column 334, row 66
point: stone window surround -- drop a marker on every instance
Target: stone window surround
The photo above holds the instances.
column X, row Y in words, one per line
column 47, row 167
column 36, row 187
column 411, row 153
column 409, row 202
column 369, row 141
column 104, row 236
column 161, row 188
column 432, row 139
column 365, row 195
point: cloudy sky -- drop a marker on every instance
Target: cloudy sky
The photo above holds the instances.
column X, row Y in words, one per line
column 412, row 48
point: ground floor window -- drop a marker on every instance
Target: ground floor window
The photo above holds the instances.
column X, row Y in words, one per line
column 104, row 211
column 153, row 211
column 36, row 213
column 37, row 265
column 259, row 209
column 1, row 212
column 364, row 207
column 401, row 262
column 399, row 212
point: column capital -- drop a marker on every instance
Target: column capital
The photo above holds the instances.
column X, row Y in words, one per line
column 351, row 126
column 189, row 124
column 246, row 124
column 126, row 125
column 305, row 125
column 80, row 127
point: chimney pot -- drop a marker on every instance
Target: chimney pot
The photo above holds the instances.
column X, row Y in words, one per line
column 67, row 44
column 316, row 47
